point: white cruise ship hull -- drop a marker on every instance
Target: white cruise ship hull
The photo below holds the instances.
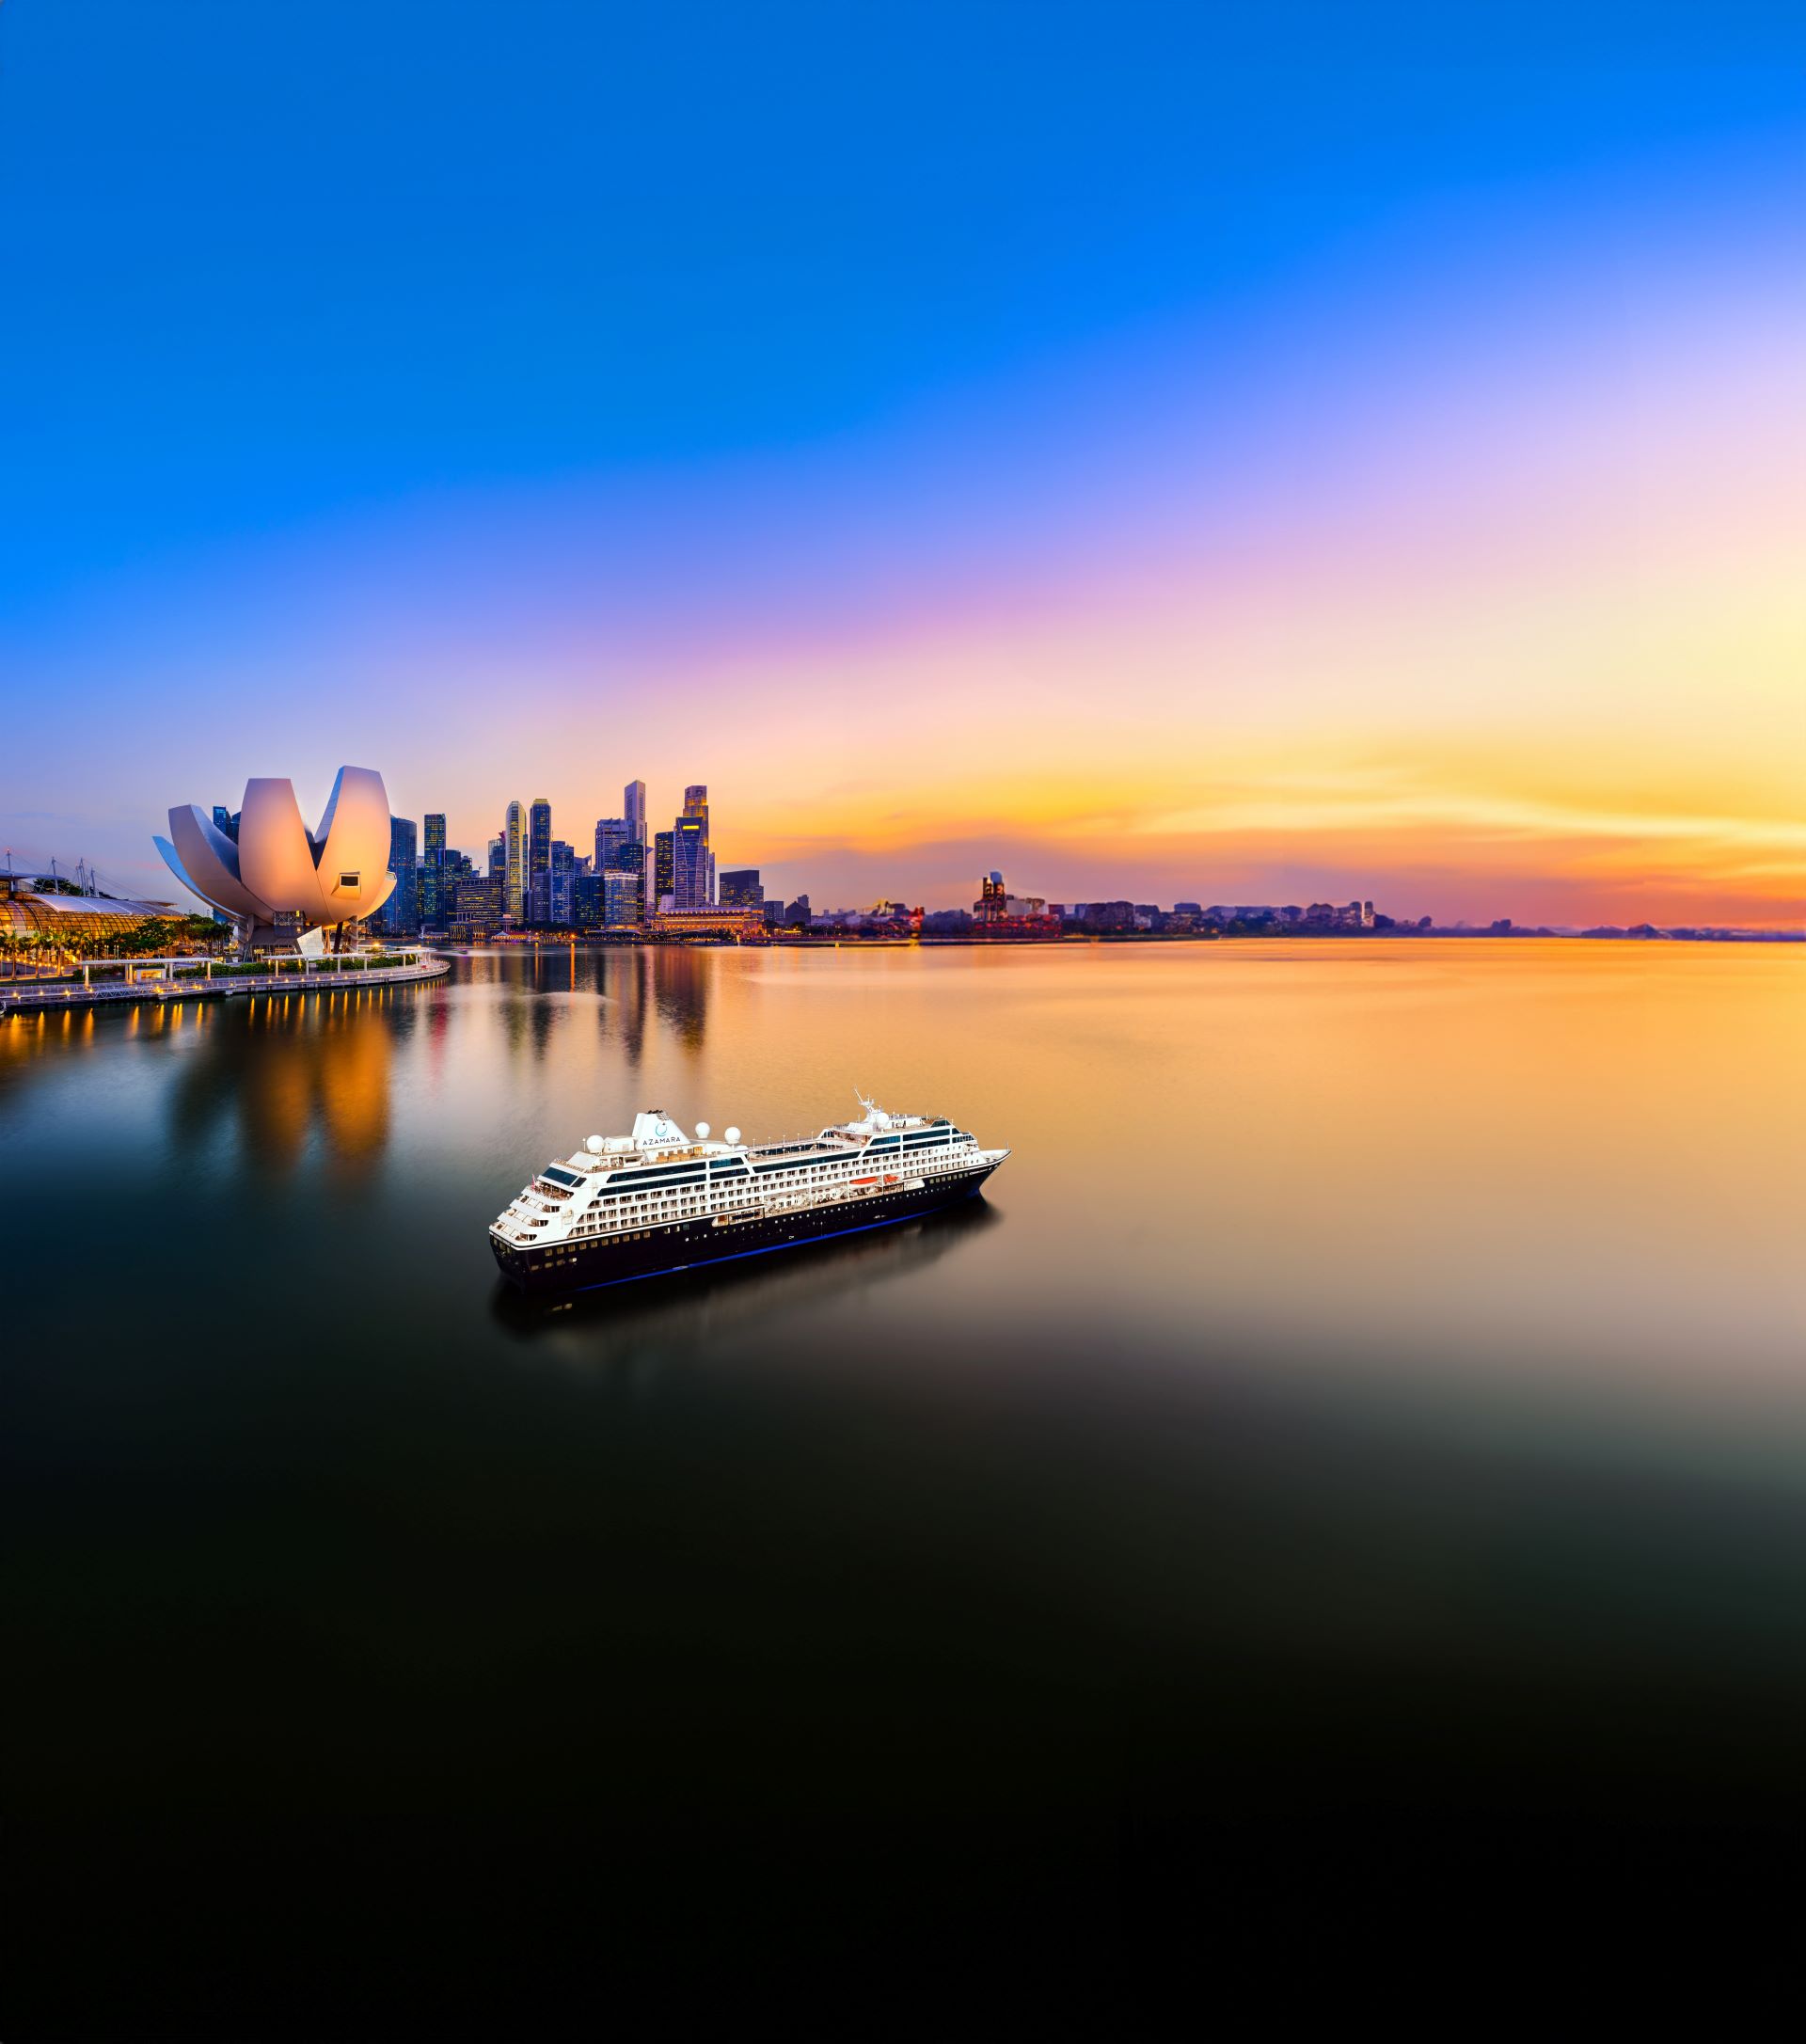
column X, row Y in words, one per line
column 580, row 1265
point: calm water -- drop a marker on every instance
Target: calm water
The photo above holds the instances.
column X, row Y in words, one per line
column 1361, row 1437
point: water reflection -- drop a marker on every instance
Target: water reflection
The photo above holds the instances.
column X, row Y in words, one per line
column 633, row 990
column 1375, row 1376
column 30, row 1040
column 626, row 1327
column 283, row 1073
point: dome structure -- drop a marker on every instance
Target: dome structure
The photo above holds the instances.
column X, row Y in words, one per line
column 272, row 863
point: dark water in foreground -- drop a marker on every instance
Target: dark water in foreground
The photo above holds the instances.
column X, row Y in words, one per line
column 1352, row 1466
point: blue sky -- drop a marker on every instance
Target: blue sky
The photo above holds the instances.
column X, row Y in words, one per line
column 316, row 284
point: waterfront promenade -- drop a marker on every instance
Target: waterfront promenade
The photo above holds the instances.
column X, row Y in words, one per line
column 199, row 979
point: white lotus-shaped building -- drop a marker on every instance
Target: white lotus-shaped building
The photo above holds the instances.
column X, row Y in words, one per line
column 329, row 876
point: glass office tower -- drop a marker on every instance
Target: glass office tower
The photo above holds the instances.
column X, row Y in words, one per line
column 400, row 915
column 434, row 897
column 689, row 864
column 610, row 831
column 692, row 868
column 624, row 898
column 662, row 878
column 515, row 875
column 539, row 861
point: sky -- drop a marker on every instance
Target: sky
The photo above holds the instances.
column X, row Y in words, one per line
column 1194, row 453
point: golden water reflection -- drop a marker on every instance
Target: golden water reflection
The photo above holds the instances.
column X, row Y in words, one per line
column 1539, row 1154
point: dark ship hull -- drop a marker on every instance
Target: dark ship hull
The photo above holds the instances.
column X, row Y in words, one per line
column 586, row 1264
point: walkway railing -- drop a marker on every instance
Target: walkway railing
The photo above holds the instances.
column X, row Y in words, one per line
column 330, row 975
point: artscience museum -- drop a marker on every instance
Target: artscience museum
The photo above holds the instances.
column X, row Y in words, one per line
column 274, row 877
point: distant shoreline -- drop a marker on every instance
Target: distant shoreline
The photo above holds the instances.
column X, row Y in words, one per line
column 854, row 939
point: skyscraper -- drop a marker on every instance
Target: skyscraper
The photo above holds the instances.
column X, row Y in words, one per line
column 609, row 831
column 514, row 872
column 562, row 866
column 633, row 801
column 689, row 864
column 539, row 861
column 663, row 879
column 692, row 868
column 434, row 899
column 624, row 885
column 624, row 897
column 741, row 889
column 400, row 914
column 498, row 859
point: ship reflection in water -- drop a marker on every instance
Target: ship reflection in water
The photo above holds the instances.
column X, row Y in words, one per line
column 601, row 1331
column 1358, row 1435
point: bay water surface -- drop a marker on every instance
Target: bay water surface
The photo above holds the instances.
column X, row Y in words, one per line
column 1356, row 1449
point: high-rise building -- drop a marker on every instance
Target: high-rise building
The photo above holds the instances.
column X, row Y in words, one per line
column 689, row 853
column 436, row 902
column 664, row 868
column 633, row 799
column 515, row 867
column 799, row 913
column 539, row 861
column 586, row 899
column 692, row 862
column 689, row 864
column 623, row 884
column 624, row 897
column 498, row 859
column 609, row 831
column 400, row 914
column 741, row 889
column 224, row 823
column 476, row 905
column 563, row 868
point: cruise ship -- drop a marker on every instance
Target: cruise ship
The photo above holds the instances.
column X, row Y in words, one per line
column 658, row 1200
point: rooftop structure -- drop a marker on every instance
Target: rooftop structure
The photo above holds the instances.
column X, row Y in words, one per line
column 44, row 905
column 740, row 924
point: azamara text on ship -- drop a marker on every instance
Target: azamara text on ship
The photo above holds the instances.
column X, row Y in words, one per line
column 658, row 1200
